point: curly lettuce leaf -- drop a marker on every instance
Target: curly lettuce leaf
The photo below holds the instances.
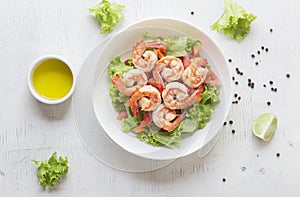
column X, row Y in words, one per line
column 210, row 95
column 176, row 46
column 50, row 171
column 154, row 136
column 235, row 21
column 108, row 14
column 118, row 99
column 128, row 124
column 116, row 66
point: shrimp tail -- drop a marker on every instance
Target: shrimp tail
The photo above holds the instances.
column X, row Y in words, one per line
column 146, row 120
column 198, row 93
column 133, row 106
column 118, row 83
column 196, row 50
column 172, row 126
column 116, row 79
column 158, row 86
column 154, row 44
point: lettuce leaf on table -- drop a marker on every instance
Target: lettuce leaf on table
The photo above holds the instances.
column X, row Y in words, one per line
column 235, row 21
column 108, row 14
column 50, row 171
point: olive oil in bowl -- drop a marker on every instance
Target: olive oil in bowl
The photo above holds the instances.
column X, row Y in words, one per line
column 51, row 80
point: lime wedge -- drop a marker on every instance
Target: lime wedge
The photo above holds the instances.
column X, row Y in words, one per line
column 264, row 126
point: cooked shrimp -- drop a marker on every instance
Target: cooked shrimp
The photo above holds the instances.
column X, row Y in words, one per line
column 176, row 96
column 145, row 60
column 147, row 98
column 131, row 81
column 168, row 68
column 166, row 118
column 194, row 75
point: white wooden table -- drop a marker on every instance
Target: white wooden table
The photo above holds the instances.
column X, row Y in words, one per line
column 239, row 164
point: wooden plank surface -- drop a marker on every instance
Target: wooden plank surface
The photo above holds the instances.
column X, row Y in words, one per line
column 28, row 129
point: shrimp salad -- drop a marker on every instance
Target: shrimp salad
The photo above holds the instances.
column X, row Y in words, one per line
column 164, row 90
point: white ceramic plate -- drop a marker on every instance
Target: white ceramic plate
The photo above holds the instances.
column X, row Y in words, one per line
column 122, row 43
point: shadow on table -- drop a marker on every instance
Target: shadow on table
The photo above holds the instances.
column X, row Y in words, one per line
column 56, row 111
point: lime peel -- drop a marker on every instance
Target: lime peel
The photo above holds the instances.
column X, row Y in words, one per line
column 264, row 126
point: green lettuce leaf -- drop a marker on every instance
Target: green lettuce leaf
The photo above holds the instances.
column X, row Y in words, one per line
column 128, row 124
column 108, row 14
column 50, row 171
column 235, row 21
column 204, row 115
column 176, row 46
column 210, row 95
column 118, row 99
column 116, row 66
column 154, row 136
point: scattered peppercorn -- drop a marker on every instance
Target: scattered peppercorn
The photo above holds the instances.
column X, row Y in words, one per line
column 275, row 89
column 225, row 123
column 230, row 122
column 253, row 56
column 233, row 78
column 241, row 73
column 258, row 52
column 252, row 85
column 192, row 12
column 256, row 63
column 239, row 98
column 266, row 49
column 249, row 80
column 288, row 75
column 233, row 131
column 229, row 60
column 262, row 47
column 271, row 82
column 236, row 83
column 235, row 95
column 272, row 89
column 277, row 154
column 271, row 30
column 265, row 85
column 269, row 103
column 224, row 180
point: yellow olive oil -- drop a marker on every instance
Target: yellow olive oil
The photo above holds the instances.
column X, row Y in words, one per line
column 52, row 79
